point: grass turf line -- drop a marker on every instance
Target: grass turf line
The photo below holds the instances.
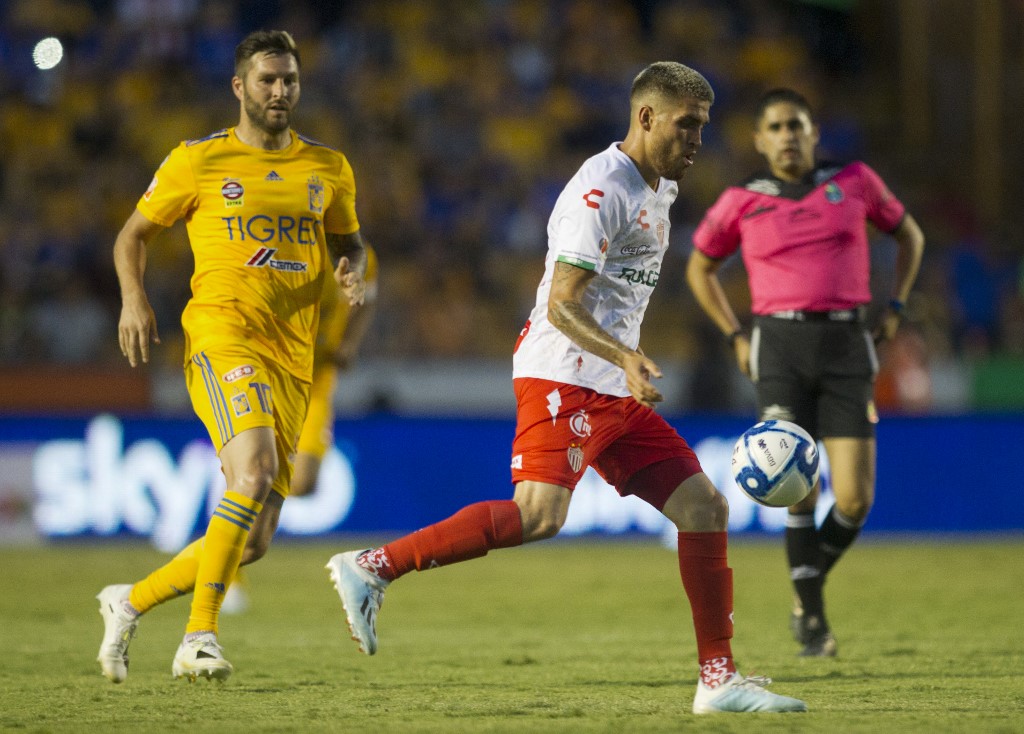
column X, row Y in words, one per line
column 564, row 636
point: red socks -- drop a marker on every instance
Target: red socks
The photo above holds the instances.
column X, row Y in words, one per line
column 469, row 533
column 707, row 580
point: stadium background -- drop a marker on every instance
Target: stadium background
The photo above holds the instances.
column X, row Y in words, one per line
column 462, row 122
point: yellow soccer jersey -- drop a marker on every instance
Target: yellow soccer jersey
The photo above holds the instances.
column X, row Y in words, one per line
column 334, row 312
column 256, row 222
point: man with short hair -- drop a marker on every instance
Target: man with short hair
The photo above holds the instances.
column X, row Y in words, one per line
column 266, row 210
column 584, row 393
column 801, row 227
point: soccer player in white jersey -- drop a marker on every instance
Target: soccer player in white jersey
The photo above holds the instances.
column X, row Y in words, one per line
column 585, row 398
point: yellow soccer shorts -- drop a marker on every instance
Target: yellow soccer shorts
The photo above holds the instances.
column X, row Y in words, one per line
column 318, row 430
column 234, row 389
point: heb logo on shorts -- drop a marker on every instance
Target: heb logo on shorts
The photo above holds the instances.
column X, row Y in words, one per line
column 265, row 257
column 246, row 370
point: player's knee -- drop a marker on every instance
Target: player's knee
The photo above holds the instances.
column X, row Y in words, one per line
column 255, row 548
column 541, row 531
column 300, row 489
column 542, row 509
column 855, row 509
column 540, row 525
column 255, row 481
column 698, row 507
column 713, row 513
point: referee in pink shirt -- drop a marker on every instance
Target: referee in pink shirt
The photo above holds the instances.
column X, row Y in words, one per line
column 800, row 226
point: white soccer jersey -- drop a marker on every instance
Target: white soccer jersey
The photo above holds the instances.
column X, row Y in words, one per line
column 607, row 219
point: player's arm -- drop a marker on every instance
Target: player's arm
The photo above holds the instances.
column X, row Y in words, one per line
column 137, row 325
column 349, row 256
column 702, row 277
column 359, row 318
column 567, row 314
column 910, row 250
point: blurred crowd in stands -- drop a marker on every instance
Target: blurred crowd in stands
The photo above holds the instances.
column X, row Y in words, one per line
column 462, row 121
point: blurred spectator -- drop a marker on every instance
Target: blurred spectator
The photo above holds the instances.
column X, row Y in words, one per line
column 461, row 123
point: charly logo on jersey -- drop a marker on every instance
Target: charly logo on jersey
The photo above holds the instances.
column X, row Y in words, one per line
column 659, row 230
column 579, row 423
column 316, row 194
column 833, row 194
column 264, row 257
column 232, row 191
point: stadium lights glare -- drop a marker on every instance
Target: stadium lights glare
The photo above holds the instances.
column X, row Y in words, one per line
column 47, row 53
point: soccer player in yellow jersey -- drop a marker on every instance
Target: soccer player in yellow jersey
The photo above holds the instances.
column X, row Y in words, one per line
column 342, row 328
column 269, row 215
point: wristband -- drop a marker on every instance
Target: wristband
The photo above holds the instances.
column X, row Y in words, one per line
column 896, row 305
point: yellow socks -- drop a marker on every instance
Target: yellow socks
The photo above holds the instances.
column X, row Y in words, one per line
column 173, row 579
column 222, row 550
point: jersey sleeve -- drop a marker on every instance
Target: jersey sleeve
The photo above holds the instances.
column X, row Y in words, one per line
column 883, row 209
column 172, row 192
column 340, row 217
column 718, row 234
column 585, row 225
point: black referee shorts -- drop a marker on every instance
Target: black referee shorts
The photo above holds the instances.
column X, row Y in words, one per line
column 819, row 374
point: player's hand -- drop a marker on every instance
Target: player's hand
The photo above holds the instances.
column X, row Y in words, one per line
column 639, row 371
column 887, row 327
column 136, row 328
column 741, row 348
column 351, row 282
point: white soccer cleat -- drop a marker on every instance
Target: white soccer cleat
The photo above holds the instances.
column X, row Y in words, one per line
column 201, row 657
column 118, row 631
column 362, row 594
column 742, row 695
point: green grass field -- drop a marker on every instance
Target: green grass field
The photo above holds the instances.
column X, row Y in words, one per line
column 564, row 636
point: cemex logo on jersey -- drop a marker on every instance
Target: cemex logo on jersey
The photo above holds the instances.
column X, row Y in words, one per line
column 265, row 257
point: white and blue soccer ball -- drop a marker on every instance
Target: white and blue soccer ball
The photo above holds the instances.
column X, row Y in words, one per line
column 775, row 463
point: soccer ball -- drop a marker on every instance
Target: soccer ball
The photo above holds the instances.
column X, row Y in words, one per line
column 775, row 463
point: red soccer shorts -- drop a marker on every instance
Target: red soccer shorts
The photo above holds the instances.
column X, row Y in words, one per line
column 562, row 429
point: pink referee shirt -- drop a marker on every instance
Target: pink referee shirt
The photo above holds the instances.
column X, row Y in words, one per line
column 805, row 246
